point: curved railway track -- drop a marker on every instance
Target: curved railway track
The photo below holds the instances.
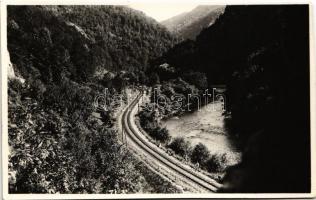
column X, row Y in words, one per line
column 179, row 169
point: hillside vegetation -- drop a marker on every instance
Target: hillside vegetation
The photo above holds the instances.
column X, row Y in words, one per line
column 81, row 41
column 62, row 59
column 261, row 53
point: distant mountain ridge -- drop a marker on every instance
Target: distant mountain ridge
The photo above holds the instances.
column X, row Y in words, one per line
column 189, row 24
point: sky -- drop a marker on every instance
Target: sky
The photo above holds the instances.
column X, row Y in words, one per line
column 162, row 11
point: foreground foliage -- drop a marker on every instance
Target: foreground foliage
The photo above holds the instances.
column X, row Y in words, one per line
column 52, row 150
column 63, row 58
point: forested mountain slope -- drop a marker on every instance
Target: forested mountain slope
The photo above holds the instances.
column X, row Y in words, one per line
column 189, row 24
column 62, row 58
column 262, row 54
column 78, row 41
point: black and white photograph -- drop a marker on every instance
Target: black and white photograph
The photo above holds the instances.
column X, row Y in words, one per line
column 162, row 98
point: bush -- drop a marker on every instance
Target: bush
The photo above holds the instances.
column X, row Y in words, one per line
column 147, row 120
column 181, row 147
column 154, row 79
column 15, row 85
column 216, row 163
column 37, row 89
column 200, row 154
column 149, row 124
column 162, row 135
column 167, row 90
column 196, row 78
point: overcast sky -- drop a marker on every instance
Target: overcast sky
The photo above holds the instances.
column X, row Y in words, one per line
column 163, row 11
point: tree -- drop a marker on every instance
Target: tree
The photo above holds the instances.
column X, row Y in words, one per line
column 180, row 146
column 216, row 163
column 154, row 79
column 161, row 134
column 142, row 78
column 196, row 78
column 200, row 154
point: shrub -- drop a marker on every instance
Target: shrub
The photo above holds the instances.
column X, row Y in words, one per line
column 181, row 147
column 200, row 154
column 196, row 78
column 149, row 124
column 167, row 90
column 164, row 135
column 161, row 134
column 15, row 85
column 147, row 120
column 37, row 89
column 154, row 79
column 216, row 163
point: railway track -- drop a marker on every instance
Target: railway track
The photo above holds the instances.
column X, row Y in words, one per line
column 161, row 158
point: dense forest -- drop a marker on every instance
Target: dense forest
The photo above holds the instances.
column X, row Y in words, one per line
column 81, row 42
column 261, row 53
column 62, row 58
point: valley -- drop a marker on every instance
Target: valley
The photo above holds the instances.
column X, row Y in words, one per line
column 84, row 116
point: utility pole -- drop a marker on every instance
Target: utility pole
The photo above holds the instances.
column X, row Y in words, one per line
column 123, row 135
column 214, row 89
column 125, row 139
